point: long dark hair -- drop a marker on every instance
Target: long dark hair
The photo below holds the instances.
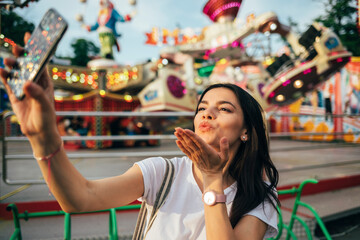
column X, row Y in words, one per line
column 252, row 160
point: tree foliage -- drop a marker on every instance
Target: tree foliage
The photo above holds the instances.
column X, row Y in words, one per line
column 14, row 27
column 83, row 50
column 340, row 16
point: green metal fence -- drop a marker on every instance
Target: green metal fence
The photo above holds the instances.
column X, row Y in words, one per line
column 113, row 233
column 294, row 216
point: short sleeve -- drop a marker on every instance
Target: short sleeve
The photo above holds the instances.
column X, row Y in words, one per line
column 268, row 214
column 153, row 171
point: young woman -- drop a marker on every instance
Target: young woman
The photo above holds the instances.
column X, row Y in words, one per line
column 227, row 158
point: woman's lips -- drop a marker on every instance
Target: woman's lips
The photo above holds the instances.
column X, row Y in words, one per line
column 205, row 126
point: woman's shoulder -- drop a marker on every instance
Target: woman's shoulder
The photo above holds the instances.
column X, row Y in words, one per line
column 159, row 162
column 180, row 161
column 153, row 170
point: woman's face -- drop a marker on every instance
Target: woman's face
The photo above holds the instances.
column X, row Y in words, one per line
column 220, row 115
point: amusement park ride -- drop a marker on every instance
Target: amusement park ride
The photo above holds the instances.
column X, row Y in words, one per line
column 315, row 57
column 219, row 54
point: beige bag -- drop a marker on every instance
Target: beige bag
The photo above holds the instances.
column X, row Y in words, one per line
column 160, row 199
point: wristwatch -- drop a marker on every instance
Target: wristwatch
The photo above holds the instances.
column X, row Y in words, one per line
column 211, row 198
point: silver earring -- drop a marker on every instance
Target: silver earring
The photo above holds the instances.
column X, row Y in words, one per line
column 243, row 139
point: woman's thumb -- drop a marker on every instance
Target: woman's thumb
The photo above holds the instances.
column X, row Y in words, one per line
column 224, row 146
column 35, row 91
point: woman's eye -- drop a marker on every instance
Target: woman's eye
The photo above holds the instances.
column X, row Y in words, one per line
column 201, row 109
column 225, row 109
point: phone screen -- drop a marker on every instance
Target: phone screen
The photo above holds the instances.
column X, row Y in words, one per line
column 38, row 50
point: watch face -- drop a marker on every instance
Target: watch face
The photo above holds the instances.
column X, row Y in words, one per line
column 209, row 198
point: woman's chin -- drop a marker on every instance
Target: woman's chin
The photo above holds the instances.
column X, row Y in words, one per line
column 213, row 143
column 210, row 139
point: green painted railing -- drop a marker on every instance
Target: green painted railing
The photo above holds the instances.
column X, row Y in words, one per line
column 289, row 227
column 113, row 233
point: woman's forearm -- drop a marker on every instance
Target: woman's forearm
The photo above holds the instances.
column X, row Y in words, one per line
column 74, row 192
column 64, row 181
column 217, row 221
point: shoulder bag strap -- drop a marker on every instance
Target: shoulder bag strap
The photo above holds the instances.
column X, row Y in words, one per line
column 160, row 200
column 140, row 223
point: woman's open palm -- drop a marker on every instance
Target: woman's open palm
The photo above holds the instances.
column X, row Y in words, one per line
column 206, row 158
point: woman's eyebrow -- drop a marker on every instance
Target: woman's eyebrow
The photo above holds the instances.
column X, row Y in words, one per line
column 226, row 102
column 219, row 103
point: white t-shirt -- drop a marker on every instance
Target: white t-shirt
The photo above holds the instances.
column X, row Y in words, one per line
column 182, row 215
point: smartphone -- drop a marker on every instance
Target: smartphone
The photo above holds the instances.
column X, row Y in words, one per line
column 38, row 50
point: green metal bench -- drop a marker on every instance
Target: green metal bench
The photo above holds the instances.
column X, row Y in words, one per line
column 113, row 233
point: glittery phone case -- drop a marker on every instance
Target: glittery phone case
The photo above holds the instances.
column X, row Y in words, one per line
column 38, row 51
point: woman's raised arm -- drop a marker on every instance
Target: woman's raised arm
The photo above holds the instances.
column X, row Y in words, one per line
column 37, row 118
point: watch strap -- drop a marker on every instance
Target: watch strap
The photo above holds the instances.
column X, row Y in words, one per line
column 220, row 198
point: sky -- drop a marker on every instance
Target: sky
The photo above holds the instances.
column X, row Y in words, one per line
column 167, row 14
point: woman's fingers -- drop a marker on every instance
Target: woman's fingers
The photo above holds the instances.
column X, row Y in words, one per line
column 10, row 62
column 183, row 144
column 44, row 80
column 4, row 75
column 224, row 147
column 186, row 140
column 27, row 36
column 206, row 158
column 195, row 139
column 34, row 91
column 194, row 147
column 18, row 51
column 188, row 136
column 183, row 148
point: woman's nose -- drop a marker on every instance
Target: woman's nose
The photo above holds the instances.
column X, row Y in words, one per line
column 208, row 115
